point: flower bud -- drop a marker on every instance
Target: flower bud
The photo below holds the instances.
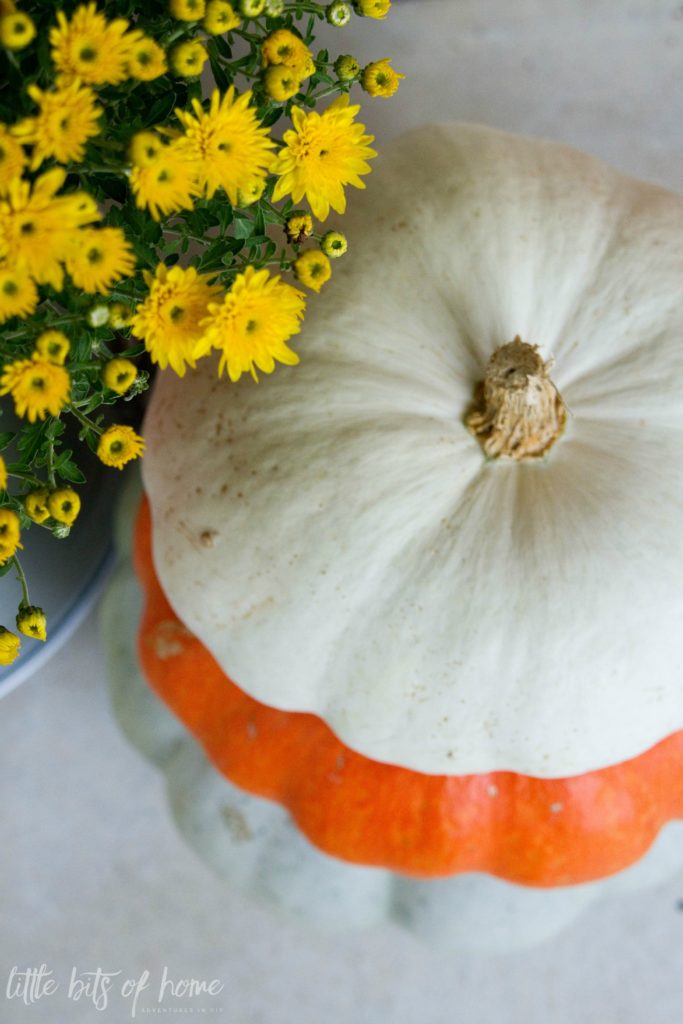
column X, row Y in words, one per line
column 334, row 244
column 346, row 67
column 338, row 13
column 32, row 621
column 252, row 8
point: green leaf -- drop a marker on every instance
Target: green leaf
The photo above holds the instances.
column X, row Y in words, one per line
column 6, row 438
column 69, row 471
column 160, row 110
column 244, row 229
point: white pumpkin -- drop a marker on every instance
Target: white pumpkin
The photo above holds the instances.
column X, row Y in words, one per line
column 255, row 846
column 440, row 610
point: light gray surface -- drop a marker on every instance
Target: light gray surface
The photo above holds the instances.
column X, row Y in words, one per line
column 93, row 873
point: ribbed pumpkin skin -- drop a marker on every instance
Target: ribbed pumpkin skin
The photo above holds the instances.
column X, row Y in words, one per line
column 541, row 832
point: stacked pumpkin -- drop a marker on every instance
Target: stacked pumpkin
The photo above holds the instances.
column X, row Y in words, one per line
column 424, row 589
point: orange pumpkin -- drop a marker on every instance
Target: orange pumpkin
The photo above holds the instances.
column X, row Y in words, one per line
column 541, row 832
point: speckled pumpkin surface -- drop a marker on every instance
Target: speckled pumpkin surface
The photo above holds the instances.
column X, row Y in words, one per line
column 541, row 832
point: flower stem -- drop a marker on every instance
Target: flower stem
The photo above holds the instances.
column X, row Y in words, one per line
column 21, row 577
column 83, row 419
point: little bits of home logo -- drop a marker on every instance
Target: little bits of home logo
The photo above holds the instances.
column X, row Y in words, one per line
column 142, row 994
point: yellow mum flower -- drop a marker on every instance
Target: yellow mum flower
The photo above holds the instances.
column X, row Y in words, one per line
column 334, row 244
column 16, row 30
column 35, row 505
column 91, row 48
column 9, row 646
column 144, row 148
column 146, row 60
column 281, row 82
column 252, row 324
column 18, row 293
column 284, row 47
column 37, row 226
column 53, row 346
column 64, row 505
column 251, row 193
column 220, row 17
column 38, row 387
column 188, row 59
column 299, row 227
column 313, row 269
column 118, row 445
column 32, row 621
column 10, row 536
column 67, row 119
column 118, row 375
column 321, row 154
column 380, row 79
column 164, row 178
column 3, row 474
column 227, row 142
column 187, row 10
column 168, row 319
column 252, row 8
column 120, row 316
column 372, row 8
column 12, row 158
column 98, row 258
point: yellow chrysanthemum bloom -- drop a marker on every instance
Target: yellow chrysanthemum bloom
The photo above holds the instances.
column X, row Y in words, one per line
column 91, row 48
column 372, row 8
column 227, row 142
column 321, row 154
column 187, row 10
column 118, row 375
column 168, row 320
column 12, row 158
column 252, row 324
column 68, row 118
column 37, row 226
column 64, row 505
column 98, row 258
column 120, row 316
column 54, row 346
column 146, row 60
column 119, row 445
column 144, row 148
column 32, row 621
column 10, row 535
column 38, row 387
column 3, row 474
column 9, row 646
column 16, row 30
column 284, row 47
column 299, row 227
column 252, row 8
column 164, row 178
column 188, row 59
column 334, row 244
column 220, row 17
column 18, row 293
column 281, row 82
column 251, row 193
column 380, row 79
column 35, row 505
column 313, row 269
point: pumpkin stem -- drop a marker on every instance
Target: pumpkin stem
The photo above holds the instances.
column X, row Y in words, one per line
column 518, row 412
